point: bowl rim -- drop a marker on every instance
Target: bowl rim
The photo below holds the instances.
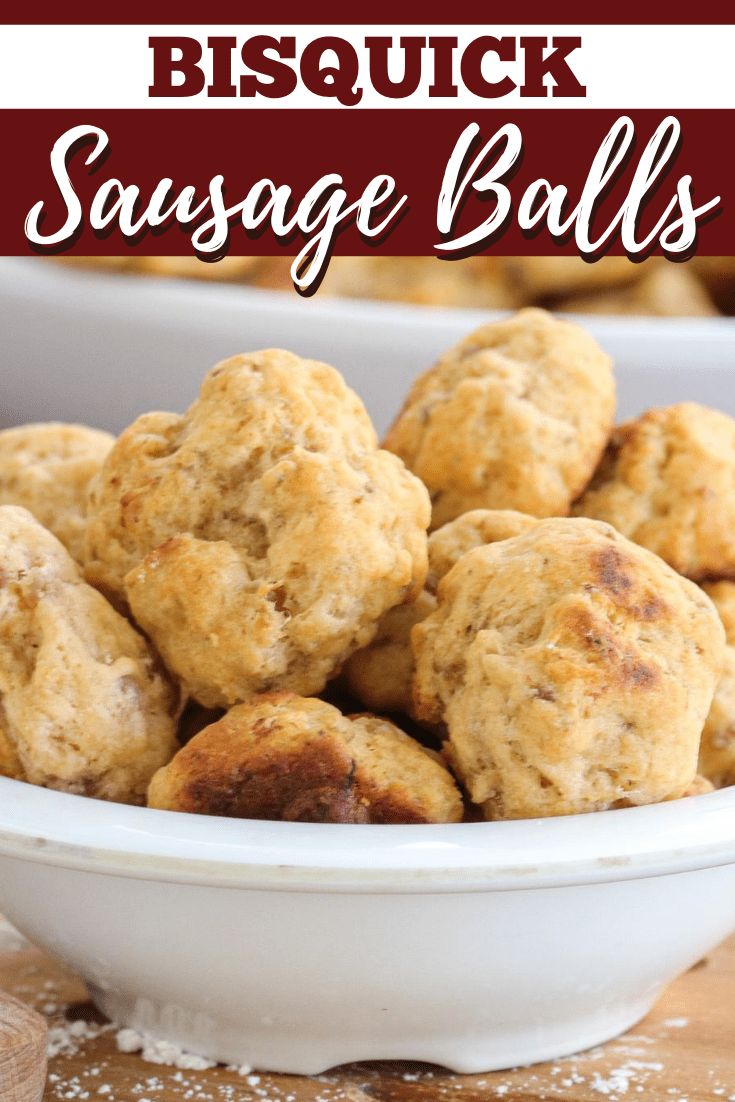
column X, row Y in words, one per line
column 76, row 832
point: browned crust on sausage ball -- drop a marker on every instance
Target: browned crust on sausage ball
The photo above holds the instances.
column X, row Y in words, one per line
column 573, row 670
column 286, row 757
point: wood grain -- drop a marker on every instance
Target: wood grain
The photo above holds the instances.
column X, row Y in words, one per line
column 22, row 1052
column 683, row 1052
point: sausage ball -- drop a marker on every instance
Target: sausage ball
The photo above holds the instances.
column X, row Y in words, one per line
column 572, row 669
column 85, row 707
column 516, row 416
column 47, row 469
column 258, row 538
column 476, row 281
column 667, row 481
column 282, row 756
column 668, row 290
column 545, row 278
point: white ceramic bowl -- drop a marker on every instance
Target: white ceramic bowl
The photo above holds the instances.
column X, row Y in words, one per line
column 296, row 947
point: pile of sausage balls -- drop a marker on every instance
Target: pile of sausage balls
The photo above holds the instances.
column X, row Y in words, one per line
column 511, row 609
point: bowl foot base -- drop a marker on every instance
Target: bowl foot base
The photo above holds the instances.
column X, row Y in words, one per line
column 262, row 1045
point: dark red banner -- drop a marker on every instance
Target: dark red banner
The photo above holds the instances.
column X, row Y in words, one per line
column 235, row 12
column 295, row 148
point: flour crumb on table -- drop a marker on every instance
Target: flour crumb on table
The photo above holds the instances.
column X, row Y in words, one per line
column 67, row 1038
column 160, row 1052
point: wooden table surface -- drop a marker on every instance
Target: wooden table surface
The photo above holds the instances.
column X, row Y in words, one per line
column 683, row 1052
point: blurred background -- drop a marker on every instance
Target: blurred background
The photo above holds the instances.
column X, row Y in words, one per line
column 100, row 340
column 701, row 287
